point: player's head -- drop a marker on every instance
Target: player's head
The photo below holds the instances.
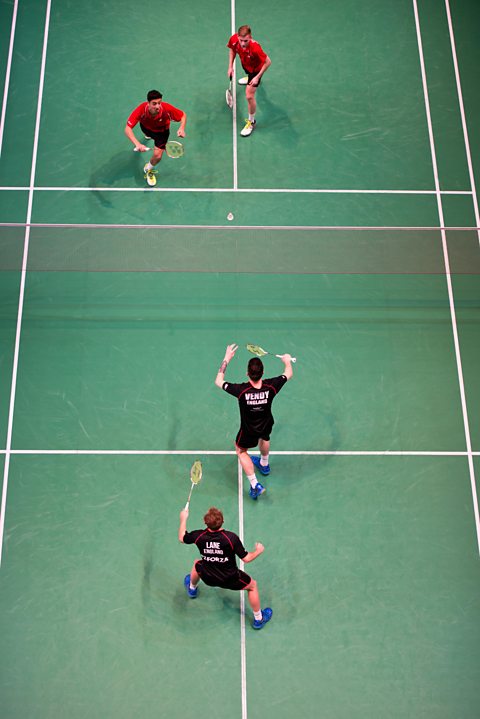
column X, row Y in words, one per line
column 213, row 518
column 154, row 99
column 244, row 33
column 255, row 369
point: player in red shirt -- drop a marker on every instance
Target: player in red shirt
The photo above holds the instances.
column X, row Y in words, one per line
column 254, row 61
column 154, row 117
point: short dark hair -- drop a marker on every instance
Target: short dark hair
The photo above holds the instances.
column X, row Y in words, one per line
column 255, row 369
column 154, row 95
column 213, row 518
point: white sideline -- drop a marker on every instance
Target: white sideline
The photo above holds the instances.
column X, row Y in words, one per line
column 22, row 282
column 448, row 280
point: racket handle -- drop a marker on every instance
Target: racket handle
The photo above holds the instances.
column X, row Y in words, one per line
column 187, row 505
column 136, row 149
column 293, row 359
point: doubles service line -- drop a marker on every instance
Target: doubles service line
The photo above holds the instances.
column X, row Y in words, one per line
column 23, row 279
column 8, row 73
column 448, row 278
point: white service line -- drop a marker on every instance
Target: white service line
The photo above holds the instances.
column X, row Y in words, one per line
column 293, row 228
column 240, row 190
column 22, row 281
column 449, row 281
column 462, row 114
column 229, row 452
column 7, row 74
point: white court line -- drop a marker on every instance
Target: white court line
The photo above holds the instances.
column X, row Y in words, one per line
column 243, row 646
column 22, row 282
column 240, row 190
column 7, row 74
column 230, row 453
column 449, row 281
column 462, row 114
column 234, row 108
column 293, row 228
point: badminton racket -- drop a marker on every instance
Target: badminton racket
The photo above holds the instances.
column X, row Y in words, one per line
column 195, row 477
column 260, row 352
column 228, row 94
column 173, row 149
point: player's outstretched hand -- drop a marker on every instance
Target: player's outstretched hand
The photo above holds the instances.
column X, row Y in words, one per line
column 184, row 514
column 286, row 358
column 259, row 547
column 142, row 148
column 180, row 132
column 230, row 352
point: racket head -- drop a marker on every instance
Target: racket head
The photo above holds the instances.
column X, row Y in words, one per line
column 256, row 350
column 174, row 149
column 196, row 472
column 229, row 97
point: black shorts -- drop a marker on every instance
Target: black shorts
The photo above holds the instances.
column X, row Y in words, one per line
column 244, row 440
column 235, row 581
column 251, row 75
column 160, row 138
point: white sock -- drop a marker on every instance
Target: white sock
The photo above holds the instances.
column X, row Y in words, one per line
column 253, row 480
column 251, row 117
column 264, row 460
column 192, row 586
column 258, row 615
column 149, row 166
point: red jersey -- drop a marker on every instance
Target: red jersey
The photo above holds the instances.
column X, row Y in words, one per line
column 251, row 57
column 156, row 123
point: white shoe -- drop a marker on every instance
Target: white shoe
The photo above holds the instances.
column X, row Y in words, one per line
column 150, row 176
column 249, row 128
column 243, row 81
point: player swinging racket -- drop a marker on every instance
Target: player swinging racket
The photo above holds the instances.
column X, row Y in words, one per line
column 154, row 117
column 254, row 61
column 255, row 399
column 218, row 566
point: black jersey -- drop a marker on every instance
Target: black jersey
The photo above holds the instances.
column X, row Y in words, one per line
column 218, row 550
column 256, row 404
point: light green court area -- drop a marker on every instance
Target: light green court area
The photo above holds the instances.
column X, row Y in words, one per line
column 127, row 361
column 369, row 565
column 371, row 560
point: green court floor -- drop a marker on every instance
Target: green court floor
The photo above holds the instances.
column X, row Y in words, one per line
column 117, row 302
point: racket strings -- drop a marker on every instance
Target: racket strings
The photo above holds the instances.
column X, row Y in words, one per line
column 256, row 350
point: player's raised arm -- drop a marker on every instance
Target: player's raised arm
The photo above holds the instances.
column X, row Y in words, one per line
column 287, row 361
column 183, row 524
column 229, row 354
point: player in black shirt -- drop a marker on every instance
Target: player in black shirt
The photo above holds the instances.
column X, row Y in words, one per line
column 218, row 566
column 255, row 399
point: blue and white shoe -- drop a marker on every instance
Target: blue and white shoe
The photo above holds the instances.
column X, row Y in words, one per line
column 192, row 593
column 262, row 469
column 266, row 616
column 256, row 491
